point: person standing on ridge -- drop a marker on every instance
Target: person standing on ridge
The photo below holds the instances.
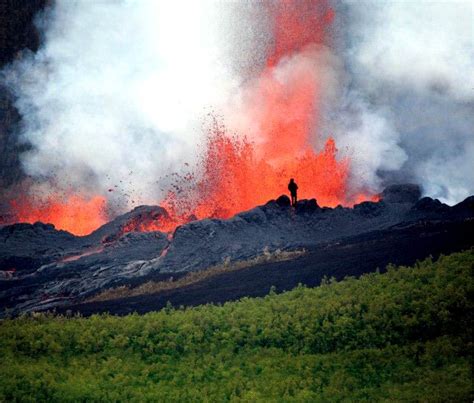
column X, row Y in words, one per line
column 293, row 187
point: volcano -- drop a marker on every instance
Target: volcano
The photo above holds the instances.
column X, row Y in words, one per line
column 43, row 268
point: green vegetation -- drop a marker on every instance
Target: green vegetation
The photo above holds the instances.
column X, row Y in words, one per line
column 400, row 336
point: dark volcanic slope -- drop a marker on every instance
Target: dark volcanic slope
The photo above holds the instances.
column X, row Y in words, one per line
column 350, row 257
column 54, row 268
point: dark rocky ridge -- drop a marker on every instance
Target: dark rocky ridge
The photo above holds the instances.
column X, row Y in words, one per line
column 55, row 268
column 352, row 256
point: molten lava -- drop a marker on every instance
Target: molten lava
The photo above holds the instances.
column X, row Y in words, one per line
column 236, row 174
column 297, row 24
column 149, row 222
column 233, row 179
column 77, row 214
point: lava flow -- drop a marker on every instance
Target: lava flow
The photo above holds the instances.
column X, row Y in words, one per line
column 235, row 179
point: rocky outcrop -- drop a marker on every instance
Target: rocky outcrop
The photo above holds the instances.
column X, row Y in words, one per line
column 26, row 247
column 64, row 268
column 140, row 219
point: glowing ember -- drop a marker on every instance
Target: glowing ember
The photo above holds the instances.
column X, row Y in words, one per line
column 148, row 222
column 76, row 214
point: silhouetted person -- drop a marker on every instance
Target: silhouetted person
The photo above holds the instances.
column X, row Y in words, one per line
column 293, row 187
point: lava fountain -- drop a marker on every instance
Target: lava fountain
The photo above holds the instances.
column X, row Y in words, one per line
column 237, row 173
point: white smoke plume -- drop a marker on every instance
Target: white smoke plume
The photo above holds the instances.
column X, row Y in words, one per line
column 117, row 91
column 415, row 61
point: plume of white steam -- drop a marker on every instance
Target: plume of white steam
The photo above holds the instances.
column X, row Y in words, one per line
column 117, row 91
column 416, row 59
column 368, row 137
column 422, row 45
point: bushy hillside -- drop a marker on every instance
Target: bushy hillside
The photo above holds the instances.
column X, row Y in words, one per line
column 404, row 335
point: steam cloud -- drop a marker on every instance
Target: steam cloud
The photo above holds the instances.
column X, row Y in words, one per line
column 119, row 89
column 415, row 62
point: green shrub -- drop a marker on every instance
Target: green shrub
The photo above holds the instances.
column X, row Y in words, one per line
column 400, row 336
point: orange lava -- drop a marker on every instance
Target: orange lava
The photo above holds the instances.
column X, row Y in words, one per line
column 285, row 104
column 77, row 214
column 150, row 224
column 296, row 24
column 236, row 174
column 235, row 179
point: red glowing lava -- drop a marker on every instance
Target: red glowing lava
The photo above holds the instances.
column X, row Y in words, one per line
column 282, row 103
column 150, row 221
column 235, row 179
column 297, row 24
column 77, row 214
column 285, row 100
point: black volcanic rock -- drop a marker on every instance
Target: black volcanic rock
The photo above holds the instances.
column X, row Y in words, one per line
column 73, row 268
column 427, row 204
column 137, row 220
column 406, row 193
column 25, row 247
column 353, row 256
column 369, row 209
column 466, row 206
column 283, row 201
column 306, row 206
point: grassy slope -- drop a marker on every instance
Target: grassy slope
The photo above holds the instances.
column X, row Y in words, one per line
column 404, row 335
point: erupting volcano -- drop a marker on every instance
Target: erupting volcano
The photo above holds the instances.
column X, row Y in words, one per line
column 235, row 179
column 239, row 171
